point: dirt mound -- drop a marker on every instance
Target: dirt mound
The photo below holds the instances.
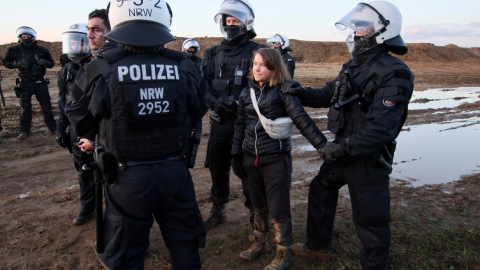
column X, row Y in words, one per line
column 318, row 51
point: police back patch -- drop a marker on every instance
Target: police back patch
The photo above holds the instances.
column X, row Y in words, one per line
column 388, row 103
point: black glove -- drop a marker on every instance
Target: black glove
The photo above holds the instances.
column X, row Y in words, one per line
column 238, row 168
column 61, row 138
column 287, row 85
column 42, row 62
column 331, row 152
column 21, row 64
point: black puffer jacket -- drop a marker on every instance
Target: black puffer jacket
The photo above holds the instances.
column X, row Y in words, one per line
column 250, row 136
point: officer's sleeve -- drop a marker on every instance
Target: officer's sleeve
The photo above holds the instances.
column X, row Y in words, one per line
column 63, row 121
column 48, row 58
column 302, row 120
column 9, row 58
column 240, row 123
column 208, row 74
column 193, row 102
column 386, row 115
column 86, row 113
column 318, row 97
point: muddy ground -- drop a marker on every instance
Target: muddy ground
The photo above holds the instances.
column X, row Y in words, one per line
column 39, row 193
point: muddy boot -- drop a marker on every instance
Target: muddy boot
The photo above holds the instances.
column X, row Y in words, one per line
column 251, row 235
column 300, row 249
column 258, row 247
column 283, row 259
column 217, row 216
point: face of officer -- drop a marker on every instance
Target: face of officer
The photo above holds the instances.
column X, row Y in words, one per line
column 25, row 36
column 96, row 31
column 233, row 21
column 77, row 45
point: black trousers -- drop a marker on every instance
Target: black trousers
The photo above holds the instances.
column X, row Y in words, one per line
column 40, row 90
column 86, row 179
column 163, row 191
column 269, row 186
column 370, row 198
column 219, row 162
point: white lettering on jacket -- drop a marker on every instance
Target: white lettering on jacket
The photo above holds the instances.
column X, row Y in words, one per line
column 153, row 72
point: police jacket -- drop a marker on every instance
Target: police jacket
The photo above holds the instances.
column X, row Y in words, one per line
column 65, row 80
column 251, row 138
column 225, row 69
column 143, row 106
column 30, row 54
column 384, row 85
column 289, row 62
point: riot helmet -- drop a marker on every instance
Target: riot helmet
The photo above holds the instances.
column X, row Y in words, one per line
column 75, row 42
column 240, row 9
column 143, row 25
column 191, row 48
column 25, row 30
column 279, row 41
column 370, row 24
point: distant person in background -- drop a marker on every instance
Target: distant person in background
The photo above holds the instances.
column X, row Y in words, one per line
column 368, row 106
column 282, row 44
column 76, row 47
column 191, row 49
column 32, row 62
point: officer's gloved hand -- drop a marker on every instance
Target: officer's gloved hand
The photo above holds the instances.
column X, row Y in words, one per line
column 21, row 64
column 237, row 167
column 331, row 152
column 42, row 62
column 288, row 85
column 220, row 109
column 61, row 138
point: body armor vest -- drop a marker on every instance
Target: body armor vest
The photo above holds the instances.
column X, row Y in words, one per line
column 70, row 71
column 149, row 119
column 231, row 70
column 364, row 82
column 30, row 54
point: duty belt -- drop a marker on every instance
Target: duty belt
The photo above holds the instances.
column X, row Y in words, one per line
column 36, row 80
column 134, row 163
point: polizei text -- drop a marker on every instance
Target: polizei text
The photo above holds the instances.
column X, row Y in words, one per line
column 152, row 72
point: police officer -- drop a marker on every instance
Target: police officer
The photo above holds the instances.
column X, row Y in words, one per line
column 142, row 102
column 191, row 49
column 32, row 61
column 282, row 44
column 75, row 45
column 225, row 69
column 368, row 105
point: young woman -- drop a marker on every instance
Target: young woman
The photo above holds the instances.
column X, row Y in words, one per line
column 267, row 162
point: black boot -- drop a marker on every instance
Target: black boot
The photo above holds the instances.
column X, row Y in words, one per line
column 217, row 216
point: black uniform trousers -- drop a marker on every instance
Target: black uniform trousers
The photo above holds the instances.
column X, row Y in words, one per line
column 40, row 90
column 370, row 198
column 86, row 179
column 163, row 191
column 219, row 160
column 269, row 186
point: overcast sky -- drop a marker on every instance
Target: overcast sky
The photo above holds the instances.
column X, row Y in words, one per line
column 439, row 22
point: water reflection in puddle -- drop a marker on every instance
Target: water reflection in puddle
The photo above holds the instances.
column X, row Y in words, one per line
column 440, row 152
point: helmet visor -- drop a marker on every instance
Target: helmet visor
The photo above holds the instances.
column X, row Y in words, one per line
column 237, row 9
column 75, row 43
column 362, row 21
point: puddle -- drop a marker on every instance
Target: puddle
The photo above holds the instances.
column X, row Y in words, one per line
column 443, row 98
column 438, row 153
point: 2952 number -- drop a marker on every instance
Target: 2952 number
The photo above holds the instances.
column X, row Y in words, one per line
column 157, row 107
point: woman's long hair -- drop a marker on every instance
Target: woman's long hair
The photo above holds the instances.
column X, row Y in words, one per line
column 274, row 62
